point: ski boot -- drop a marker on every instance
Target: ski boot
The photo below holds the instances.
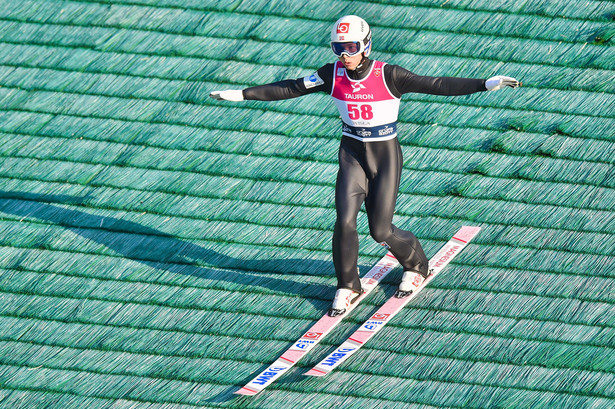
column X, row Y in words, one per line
column 344, row 297
column 410, row 282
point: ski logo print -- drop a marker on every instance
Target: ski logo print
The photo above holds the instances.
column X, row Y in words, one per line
column 312, row 335
column 338, row 355
column 269, row 374
column 447, row 256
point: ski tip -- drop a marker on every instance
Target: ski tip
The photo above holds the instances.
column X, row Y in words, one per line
column 466, row 233
column 246, row 392
column 315, row 372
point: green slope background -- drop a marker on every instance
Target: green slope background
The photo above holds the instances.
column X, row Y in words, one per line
column 158, row 248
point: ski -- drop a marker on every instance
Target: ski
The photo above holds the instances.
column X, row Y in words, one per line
column 379, row 319
column 317, row 332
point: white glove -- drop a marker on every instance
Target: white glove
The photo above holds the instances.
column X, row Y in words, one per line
column 499, row 81
column 230, row 95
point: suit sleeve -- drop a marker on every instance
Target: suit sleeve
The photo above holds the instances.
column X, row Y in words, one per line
column 402, row 81
column 320, row 81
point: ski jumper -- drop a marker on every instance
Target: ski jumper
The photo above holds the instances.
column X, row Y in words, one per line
column 370, row 157
column 370, row 170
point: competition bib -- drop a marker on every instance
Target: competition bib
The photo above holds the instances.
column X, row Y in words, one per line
column 367, row 107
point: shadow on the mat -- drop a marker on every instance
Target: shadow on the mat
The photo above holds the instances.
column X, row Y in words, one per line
column 165, row 252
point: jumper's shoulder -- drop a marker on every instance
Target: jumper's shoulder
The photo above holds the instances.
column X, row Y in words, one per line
column 321, row 80
column 326, row 71
column 397, row 71
column 395, row 77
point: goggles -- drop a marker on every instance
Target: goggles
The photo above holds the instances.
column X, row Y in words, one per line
column 349, row 48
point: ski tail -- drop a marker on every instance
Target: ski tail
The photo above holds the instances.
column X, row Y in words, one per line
column 317, row 332
column 380, row 318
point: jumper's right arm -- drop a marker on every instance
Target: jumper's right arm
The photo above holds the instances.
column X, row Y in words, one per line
column 276, row 91
column 280, row 90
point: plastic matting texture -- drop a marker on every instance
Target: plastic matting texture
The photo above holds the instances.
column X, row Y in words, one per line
column 158, row 248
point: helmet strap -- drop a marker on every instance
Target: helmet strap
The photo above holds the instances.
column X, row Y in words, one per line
column 364, row 61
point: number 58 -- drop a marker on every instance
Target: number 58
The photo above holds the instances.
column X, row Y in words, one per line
column 356, row 111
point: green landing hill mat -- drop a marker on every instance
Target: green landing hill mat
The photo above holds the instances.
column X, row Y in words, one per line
column 158, row 248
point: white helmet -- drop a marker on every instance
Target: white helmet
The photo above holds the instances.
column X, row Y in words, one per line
column 351, row 35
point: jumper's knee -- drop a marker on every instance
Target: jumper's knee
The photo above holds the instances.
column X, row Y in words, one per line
column 380, row 234
column 343, row 224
